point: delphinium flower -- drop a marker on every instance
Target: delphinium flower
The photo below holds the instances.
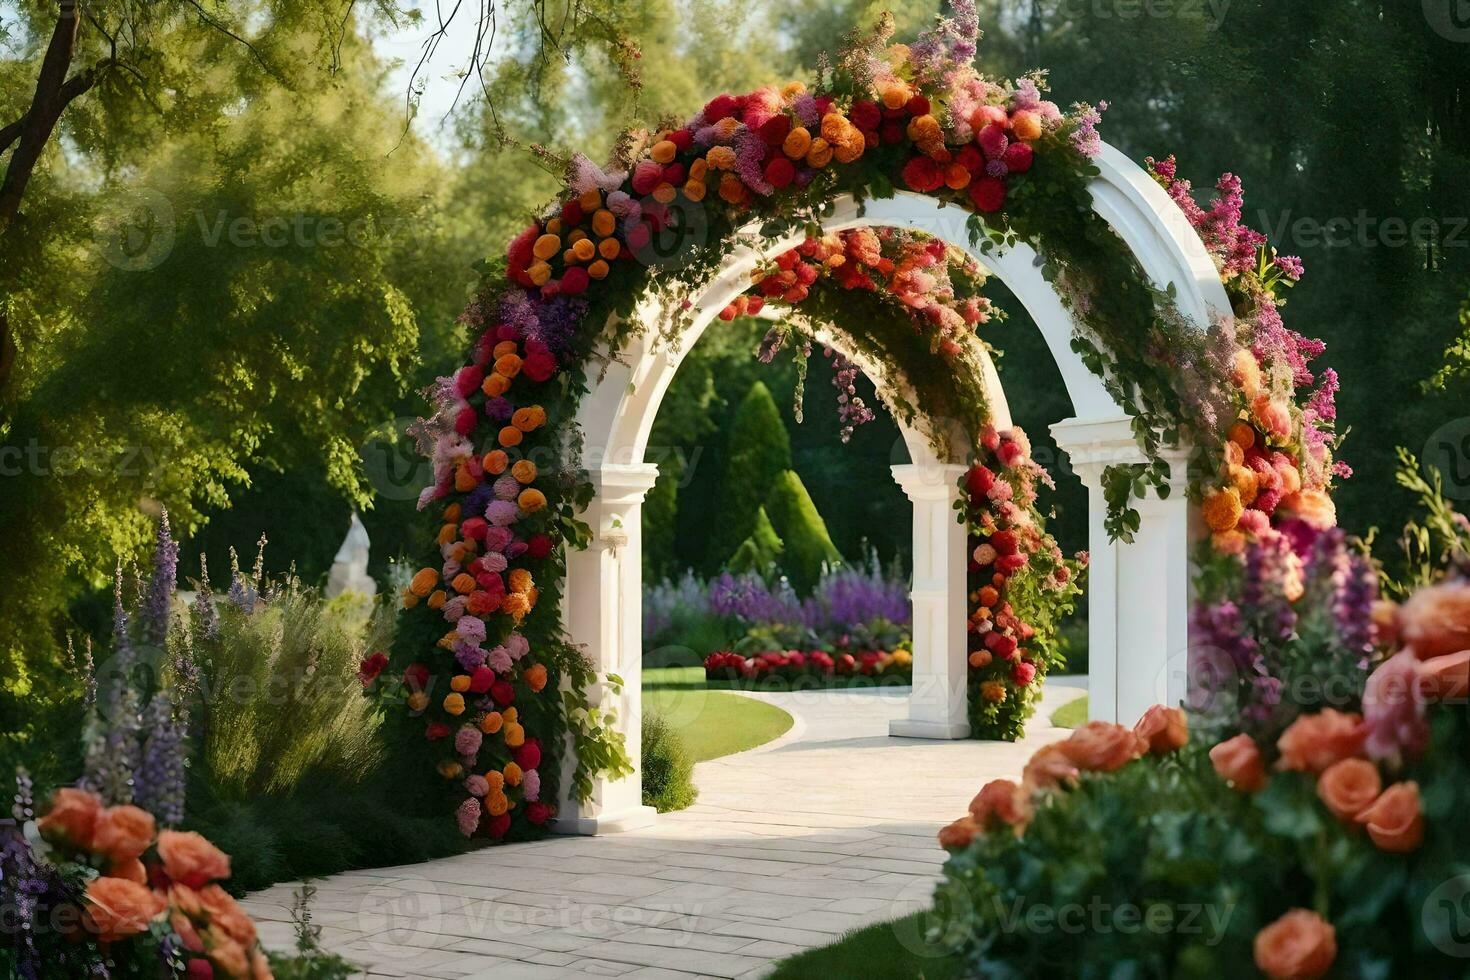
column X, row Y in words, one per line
column 852, row 411
column 952, row 40
column 160, row 781
column 204, row 607
column 242, row 594
column 159, row 605
column 112, row 735
column 29, row 891
column 748, row 597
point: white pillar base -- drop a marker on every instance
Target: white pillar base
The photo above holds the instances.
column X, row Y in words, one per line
column 622, row 821
column 918, row 728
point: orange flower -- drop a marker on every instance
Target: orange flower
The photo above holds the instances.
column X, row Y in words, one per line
column 960, row 833
column 510, row 436
column 423, row 582
column 464, row 583
column 495, row 462
column 1445, row 678
column 496, row 803
column 524, row 471
column 1312, row 506
column 1238, row 761
column 797, row 142
column 993, row 691
column 495, row 385
column 460, row 683
column 529, row 419
column 1436, row 620
column 118, row 908
column 1298, row 946
column 132, row 869
column 72, row 819
column 1243, row 434
column 1314, row 742
column 663, row 151
column 225, row 913
column 1026, row 125
column 531, row 500
column 732, row 191
column 123, row 832
column 895, row 94
column 535, row 677
column 998, row 800
column 1101, row 746
column 437, row 598
column 454, row 704
column 515, row 735
column 228, row 956
column 1348, row 786
column 495, row 779
column 513, row 774
column 516, row 605
column 819, row 154
column 924, row 129
column 490, row 724
column 604, row 223
column 1395, row 821
column 482, row 603
column 451, row 513
column 1163, row 729
column 508, row 365
column 695, row 190
column 1222, row 509
column 191, row 860
column 1049, row 767
column 720, row 158
column 546, row 246
column 520, row 580
column 980, row 658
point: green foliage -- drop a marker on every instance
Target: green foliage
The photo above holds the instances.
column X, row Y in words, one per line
column 757, row 453
column 660, row 519
column 310, row 961
column 761, row 552
column 1439, row 539
column 809, row 548
column 894, row 950
column 280, row 694
column 667, row 768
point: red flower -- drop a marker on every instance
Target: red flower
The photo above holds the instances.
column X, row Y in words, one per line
column 539, row 365
column 528, row 756
column 481, row 678
column 892, row 132
column 970, row 158
column 575, row 281
column 775, row 130
column 539, row 546
column 1023, row 673
column 988, row 194
column 682, row 138
column 720, row 107
column 474, row 529
column 865, row 115
column 1010, row 564
column 371, row 667
column 1001, row 645
column 780, row 172
column 466, row 420
column 497, row 827
column 1018, row 157
column 918, row 106
column 979, row 480
column 1010, row 452
column 199, row 969
column 572, row 213
column 502, row 692
column 436, row 731
column 538, row 813
column 467, row 381
column 416, row 677
column 923, row 174
column 519, row 255
column 1004, row 542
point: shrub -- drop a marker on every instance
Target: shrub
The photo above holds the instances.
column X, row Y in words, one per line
column 761, row 552
column 668, row 769
column 758, row 451
column 809, row 548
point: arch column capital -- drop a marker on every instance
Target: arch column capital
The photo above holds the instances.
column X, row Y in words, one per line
column 1093, row 445
column 929, row 482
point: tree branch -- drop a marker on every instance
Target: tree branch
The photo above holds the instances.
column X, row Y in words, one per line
column 11, row 133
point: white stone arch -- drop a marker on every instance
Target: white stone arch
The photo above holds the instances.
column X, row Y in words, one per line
column 1139, row 592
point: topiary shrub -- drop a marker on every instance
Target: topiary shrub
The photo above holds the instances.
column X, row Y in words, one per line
column 757, row 452
column 762, row 551
column 668, row 769
column 809, row 547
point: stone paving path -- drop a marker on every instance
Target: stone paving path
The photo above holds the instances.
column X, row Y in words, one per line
column 827, row 829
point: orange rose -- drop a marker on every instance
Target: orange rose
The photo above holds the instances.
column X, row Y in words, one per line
column 132, row 869
column 1312, row 506
column 1101, row 746
column 1436, row 621
column 490, row 724
column 123, row 832
column 1163, row 729
column 72, row 819
column 118, row 908
column 1297, row 946
column 535, row 677
column 1314, row 742
column 1049, row 767
column 1445, row 678
column 228, row 956
column 191, row 860
column 998, row 800
column 1238, row 761
column 513, row 774
column 1348, row 787
column 1395, row 820
column 225, row 913
column 960, row 833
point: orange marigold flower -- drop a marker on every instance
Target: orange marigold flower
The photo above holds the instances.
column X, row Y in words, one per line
column 520, row 580
column 450, row 769
column 820, row 153
column 695, row 190
column 535, row 677
column 663, row 151
column 437, row 598
column 516, row 605
column 797, row 142
column 539, row 272
column 460, row 683
column 515, row 735
column 454, row 703
column 508, row 365
column 1222, row 509
column 529, row 419
column 1243, row 434
column 993, row 691
column 423, row 582
column 604, row 223
column 451, row 513
column 464, row 583
column 834, row 127
column 732, row 190
column 720, row 158
column 546, row 246
column 925, row 129
column 510, row 436
column 495, row 462
column 895, row 94
column 598, row 269
column 584, row 250
column 496, row 803
column 512, row 774
column 490, row 724
column 495, row 385
column 524, row 471
column 531, row 500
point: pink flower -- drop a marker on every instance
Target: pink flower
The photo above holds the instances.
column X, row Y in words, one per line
column 468, row 816
column 1393, row 709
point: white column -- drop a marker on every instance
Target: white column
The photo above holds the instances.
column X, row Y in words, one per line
column 1139, row 591
column 937, row 708
column 602, row 608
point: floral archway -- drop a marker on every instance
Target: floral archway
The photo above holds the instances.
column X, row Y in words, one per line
column 513, row 675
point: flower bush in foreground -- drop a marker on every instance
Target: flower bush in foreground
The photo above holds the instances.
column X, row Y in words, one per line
column 102, row 884
column 1327, row 845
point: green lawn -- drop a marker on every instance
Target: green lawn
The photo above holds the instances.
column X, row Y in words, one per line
column 1073, row 714
column 886, row 951
column 712, row 723
column 691, row 678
